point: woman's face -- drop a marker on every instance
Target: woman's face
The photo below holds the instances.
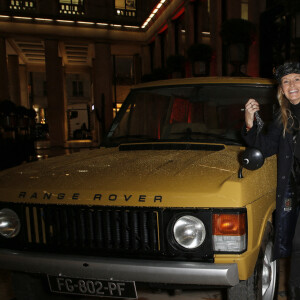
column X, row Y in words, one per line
column 290, row 86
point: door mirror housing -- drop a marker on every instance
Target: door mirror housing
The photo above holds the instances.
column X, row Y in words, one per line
column 251, row 159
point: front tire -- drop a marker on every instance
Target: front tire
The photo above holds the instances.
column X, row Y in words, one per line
column 263, row 283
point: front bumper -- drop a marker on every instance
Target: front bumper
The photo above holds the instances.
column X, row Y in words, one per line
column 139, row 270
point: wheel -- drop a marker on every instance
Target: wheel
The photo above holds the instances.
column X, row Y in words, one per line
column 270, row 274
column 263, row 283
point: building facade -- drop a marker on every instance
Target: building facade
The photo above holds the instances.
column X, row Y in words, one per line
column 74, row 61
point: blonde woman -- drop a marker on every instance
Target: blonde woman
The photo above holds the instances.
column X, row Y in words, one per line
column 283, row 139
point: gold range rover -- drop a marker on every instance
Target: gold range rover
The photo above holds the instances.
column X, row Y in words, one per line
column 164, row 202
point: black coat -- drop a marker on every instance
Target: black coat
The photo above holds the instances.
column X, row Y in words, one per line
column 273, row 142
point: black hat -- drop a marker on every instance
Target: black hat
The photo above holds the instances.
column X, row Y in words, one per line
column 286, row 69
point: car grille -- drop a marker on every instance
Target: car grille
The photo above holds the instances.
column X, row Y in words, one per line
column 78, row 228
column 142, row 232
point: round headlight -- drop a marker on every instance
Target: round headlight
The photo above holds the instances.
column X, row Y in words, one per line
column 189, row 232
column 9, row 223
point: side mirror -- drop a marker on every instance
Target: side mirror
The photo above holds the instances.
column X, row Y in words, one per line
column 251, row 159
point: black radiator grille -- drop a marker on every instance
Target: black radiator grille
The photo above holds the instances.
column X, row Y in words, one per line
column 131, row 232
column 108, row 229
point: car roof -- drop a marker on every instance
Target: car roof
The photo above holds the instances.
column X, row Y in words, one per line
column 206, row 80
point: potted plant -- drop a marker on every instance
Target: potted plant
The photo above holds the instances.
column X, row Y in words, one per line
column 238, row 31
column 200, row 56
column 238, row 35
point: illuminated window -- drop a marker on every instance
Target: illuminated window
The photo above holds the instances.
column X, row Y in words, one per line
column 71, row 7
column 22, row 5
column 125, row 8
column 244, row 9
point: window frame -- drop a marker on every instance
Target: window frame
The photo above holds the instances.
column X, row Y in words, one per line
column 125, row 10
column 22, row 5
column 67, row 7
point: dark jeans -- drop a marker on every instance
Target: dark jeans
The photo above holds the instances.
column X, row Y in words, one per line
column 294, row 280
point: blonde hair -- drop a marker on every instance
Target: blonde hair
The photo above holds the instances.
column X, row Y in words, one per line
column 285, row 112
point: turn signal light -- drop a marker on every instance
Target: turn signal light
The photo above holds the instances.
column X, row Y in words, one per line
column 229, row 232
column 229, row 224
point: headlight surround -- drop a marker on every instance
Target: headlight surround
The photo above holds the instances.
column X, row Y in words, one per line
column 9, row 223
column 189, row 232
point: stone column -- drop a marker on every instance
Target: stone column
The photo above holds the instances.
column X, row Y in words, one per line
column 170, row 38
column 189, row 25
column 233, row 12
column 102, row 87
column 146, row 60
column 24, row 87
column 14, row 79
column 137, row 63
column 4, row 90
column 216, row 42
column 253, row 61
column 157, row 52
column 56, row 94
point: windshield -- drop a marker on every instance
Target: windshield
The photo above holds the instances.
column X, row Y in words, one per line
column 204, row 113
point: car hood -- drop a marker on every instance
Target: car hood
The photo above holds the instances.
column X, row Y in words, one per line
column 183, row 178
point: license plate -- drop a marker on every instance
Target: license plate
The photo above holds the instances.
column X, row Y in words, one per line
column 92, row 287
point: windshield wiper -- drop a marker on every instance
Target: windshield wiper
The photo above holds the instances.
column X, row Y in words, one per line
column 215, row 137
column 131, row 138
column 228, row 141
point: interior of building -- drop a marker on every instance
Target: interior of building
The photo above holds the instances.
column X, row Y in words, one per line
column 67, row 65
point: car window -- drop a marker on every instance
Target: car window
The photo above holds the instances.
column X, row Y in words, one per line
column 211, row 113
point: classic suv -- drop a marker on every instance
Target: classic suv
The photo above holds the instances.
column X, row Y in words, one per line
column 164, row 202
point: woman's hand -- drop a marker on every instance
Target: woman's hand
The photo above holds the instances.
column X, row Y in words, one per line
column 251, row 107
